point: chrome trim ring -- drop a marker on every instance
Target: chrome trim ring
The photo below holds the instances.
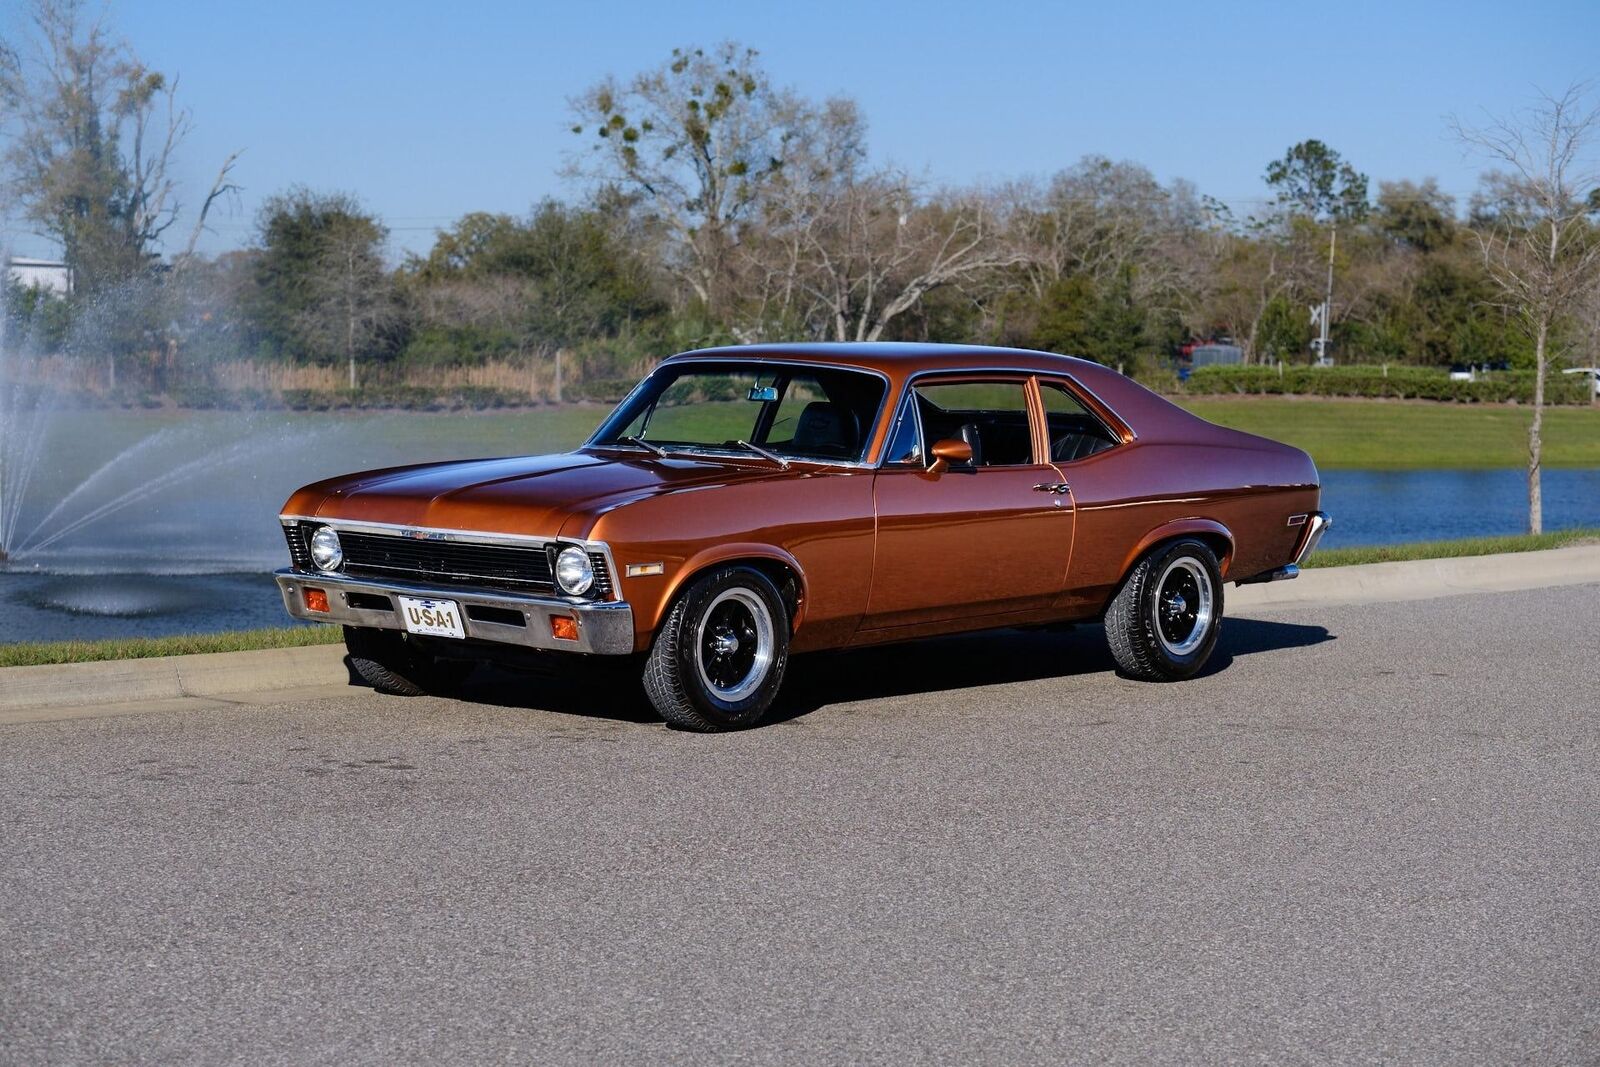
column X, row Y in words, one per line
column 734, row 645
column 1182, row 610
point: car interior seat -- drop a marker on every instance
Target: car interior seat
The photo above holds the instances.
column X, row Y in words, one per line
column 974, row 439
column 827, row 429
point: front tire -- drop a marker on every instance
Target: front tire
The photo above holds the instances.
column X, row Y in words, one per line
column 390, row 663
column 1164, row 621
column 719, row 656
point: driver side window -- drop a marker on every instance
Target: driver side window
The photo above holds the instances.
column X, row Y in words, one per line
column 990, row 416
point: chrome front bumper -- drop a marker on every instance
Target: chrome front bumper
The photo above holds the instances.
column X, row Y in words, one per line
column 605, row 627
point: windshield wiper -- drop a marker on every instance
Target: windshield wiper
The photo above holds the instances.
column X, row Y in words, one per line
column 758, row 450
column 648, row 446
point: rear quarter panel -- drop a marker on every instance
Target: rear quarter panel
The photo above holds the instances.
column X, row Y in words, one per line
column 1133, row 497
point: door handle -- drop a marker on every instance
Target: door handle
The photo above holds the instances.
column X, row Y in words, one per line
column 1052, row 487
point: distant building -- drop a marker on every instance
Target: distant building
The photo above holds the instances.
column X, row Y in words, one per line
column 51, row 275
column 1215, row 355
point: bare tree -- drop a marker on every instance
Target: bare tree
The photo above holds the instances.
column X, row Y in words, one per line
column 1098, row 217
column 1539, row 248
column 696, row 143
column 94, row 135
column 354, row 299
column 867, row 249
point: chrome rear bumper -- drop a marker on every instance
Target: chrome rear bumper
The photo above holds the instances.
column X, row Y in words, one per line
column 1316, row 525
column 605, row 627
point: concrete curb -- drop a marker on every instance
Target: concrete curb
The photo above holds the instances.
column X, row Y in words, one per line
column 1425, row 579
column 170, row 677
column 25, row 692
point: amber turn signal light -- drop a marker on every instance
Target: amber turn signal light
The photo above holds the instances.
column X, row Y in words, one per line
column 564, row 627
column 316, row 600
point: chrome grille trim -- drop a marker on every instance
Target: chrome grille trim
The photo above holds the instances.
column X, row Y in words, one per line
column 458, row 557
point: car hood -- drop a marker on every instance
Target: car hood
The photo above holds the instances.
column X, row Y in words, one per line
column 530, row 495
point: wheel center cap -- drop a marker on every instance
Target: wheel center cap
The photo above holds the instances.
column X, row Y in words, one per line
column 724, row 644
column 1176, row 604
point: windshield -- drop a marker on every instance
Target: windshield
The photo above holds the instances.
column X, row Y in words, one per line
column 795, row 411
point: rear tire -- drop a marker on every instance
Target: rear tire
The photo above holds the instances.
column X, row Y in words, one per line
column 1163, row 623
column 389, row 663
column 719, row 656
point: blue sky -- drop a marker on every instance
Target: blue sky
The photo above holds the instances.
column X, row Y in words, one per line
column 429, row 110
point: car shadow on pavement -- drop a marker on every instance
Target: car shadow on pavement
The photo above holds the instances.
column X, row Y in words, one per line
column 609, row 689
column 606, row 688
column 995, row 658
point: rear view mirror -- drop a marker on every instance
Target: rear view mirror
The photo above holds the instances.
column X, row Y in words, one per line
column 949, row 451
column 763, row 394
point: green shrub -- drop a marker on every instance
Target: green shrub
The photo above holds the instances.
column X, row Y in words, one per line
column 1400, row 383
column 602, row 390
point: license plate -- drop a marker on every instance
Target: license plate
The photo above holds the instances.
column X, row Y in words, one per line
column 436, row 618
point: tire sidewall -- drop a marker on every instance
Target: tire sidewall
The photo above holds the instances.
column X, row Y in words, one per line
column 1190, row 663
column 697, row 600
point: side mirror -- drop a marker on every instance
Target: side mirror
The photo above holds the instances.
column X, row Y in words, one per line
column 949, row 451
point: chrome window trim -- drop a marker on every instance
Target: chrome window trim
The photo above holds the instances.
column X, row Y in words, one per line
column 908, row 406
column 877, row 417
column 967, row 372
column 1057, row 380
column 471, row 537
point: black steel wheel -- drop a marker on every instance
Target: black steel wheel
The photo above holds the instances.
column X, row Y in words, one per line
column 719, row 656
column 1163, row 623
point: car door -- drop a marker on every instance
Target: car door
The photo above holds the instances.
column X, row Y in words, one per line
column 978, row 539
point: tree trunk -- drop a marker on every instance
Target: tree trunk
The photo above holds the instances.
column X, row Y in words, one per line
column 559, row 353
column 1536, row 431
column 350, row 348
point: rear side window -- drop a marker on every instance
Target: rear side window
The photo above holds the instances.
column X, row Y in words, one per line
column 1074, row 432
column 992, row 417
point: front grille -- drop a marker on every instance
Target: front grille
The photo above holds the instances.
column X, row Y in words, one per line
column 454, row 562
column 602, row 577
column 299, row 551
column 444, row 562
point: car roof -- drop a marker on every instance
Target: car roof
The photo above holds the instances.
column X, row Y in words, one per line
column 898, row 358
column 1149, row 416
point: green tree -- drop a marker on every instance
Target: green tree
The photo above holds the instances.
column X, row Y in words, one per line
column 1418, row 216
column 1312, row 180
column 322, row 288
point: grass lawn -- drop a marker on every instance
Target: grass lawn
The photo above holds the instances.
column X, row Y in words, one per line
column 1406, row 435
column 1470, row 546
column 32, row 655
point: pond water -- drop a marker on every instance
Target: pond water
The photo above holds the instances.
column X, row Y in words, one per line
column 1390, row 507
column 191, row 554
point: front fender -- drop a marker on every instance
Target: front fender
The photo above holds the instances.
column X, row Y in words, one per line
column 648, row 616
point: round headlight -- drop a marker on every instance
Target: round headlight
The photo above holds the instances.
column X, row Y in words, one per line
column 326, row 552
column 574, row 572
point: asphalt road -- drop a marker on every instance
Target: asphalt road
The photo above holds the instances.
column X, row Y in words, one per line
column 1370, row 834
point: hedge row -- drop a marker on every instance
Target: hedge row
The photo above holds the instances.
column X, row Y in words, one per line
column 392, row 397
column 1400, row 383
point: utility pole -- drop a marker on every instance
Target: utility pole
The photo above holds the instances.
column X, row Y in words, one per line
column 1323, row 313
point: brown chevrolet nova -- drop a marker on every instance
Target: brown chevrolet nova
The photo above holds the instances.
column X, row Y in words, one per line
column 743, row 504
